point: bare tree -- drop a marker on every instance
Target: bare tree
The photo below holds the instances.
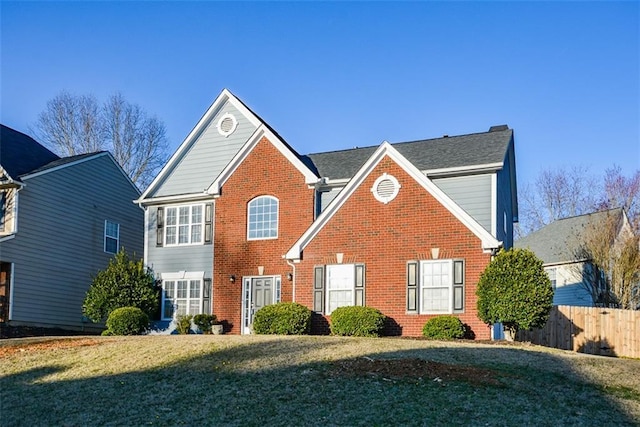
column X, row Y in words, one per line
column 555, row 194
column 70, row 125
column 623, row 192
column 610, row 252
column 73, row 125
column 137, row 142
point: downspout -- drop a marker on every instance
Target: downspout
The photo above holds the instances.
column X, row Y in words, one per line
column 293, row 284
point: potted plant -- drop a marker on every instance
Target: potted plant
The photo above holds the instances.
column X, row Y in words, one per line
column 208, row 323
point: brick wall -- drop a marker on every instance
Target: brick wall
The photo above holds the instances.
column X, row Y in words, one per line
column 384, row 238
column 265, row 171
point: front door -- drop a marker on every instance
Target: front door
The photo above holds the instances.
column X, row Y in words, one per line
column 5, row 281
column 258, row 292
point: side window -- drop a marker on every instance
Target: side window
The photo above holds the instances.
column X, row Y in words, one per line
column 184, row 225
column 111, row 237
column 435, row 286
column 262, row 218
column 344, row 285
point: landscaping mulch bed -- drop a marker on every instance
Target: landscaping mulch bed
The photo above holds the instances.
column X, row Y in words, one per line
column 413, row 369
column 50, row 344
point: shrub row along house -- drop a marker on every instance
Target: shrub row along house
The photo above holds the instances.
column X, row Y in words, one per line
column 237, row 219
column 61, row 220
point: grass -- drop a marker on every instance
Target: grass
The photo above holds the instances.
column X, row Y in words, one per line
column 278, row 380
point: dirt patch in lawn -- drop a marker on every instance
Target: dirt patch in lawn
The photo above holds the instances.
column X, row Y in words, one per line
column 46, row 345
column 413, row 369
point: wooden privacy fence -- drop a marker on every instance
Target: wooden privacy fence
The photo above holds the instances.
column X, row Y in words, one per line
column 592, row 330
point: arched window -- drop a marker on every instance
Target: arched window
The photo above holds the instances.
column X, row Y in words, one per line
column 262, row 218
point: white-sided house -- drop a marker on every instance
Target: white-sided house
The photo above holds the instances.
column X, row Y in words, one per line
column 61, row 221
column 225, row 181
column 556, row 245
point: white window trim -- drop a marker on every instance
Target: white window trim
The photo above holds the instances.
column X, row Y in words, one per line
column 11, row 227
column 181, row 275
column 277, row 218
column 421, row 286
column 328, row 310
column 117, row 238
column 177, row 225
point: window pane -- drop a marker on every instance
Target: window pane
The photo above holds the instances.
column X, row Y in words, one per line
column 111, row 245
column 171, row 216
column 196, row 233
column 184, row 215
column 194, row 307
column 183, row 234
column 167, row 313
column 171, row 235
column 262, row 218
column 181, row 292
column 169, row 289
column 194, row 289
column 435, row 300
column 196, row 214
column 181, row 307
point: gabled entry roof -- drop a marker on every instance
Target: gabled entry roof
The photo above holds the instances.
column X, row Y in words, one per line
column 489, row 243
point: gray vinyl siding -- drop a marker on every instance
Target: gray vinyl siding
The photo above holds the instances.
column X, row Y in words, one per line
column 173, row 259
column 504, row 209
column 59, row 246
column 206, row 158
column 472, row 193
column 326, row 197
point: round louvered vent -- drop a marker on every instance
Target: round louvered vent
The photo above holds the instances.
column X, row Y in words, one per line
column 386, row 188
column 227, row 124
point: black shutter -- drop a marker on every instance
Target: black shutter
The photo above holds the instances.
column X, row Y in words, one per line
column 458, row 285
column 412, row 286
column 159, row 226
column 206, row 297
column 318, row 289
column 359, row 284
column 208, row 223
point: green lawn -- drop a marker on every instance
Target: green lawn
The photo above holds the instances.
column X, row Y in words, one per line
column 257, row 380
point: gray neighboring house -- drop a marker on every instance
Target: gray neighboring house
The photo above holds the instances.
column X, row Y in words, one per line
column 61, row 221
column 556, row 243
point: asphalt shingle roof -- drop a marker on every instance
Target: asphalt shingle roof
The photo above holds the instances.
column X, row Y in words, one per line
column 21, row 154
column 556, row 242
column 440, row 153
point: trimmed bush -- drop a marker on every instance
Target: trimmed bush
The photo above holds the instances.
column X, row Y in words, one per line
column 357, row 321
column 204, row 322
column 443, row 328
column 127, row 321
column 124, row 283
column 514, row 289
column 183, row 324
column 283, row 318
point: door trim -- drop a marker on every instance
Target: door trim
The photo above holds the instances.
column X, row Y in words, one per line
column 247, row 295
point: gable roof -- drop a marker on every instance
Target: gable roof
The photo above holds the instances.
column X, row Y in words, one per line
column 216, row 106
column 485, row 150
column 386, row 149
column 555, row 242
column 20, row 154
column 283, row 147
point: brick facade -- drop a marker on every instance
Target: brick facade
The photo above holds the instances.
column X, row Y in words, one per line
column 383, row 237
column 265, row 171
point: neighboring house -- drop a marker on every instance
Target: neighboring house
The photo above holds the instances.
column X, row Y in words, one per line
column 237, row 219
column 557, row 245
column 61, row 221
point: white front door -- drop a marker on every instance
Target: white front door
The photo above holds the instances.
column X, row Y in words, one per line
column 256, row 293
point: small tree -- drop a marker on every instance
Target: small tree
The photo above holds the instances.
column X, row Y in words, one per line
column 124, row 283
column 514, row 289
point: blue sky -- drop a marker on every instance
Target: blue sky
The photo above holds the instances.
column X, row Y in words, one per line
column 334, row 75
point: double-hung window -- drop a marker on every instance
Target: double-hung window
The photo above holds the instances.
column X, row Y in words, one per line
column 185, row 294
column 183, row 225
column 262, row 218
column 435, row 286
column 111, row 237
column 338, row 285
